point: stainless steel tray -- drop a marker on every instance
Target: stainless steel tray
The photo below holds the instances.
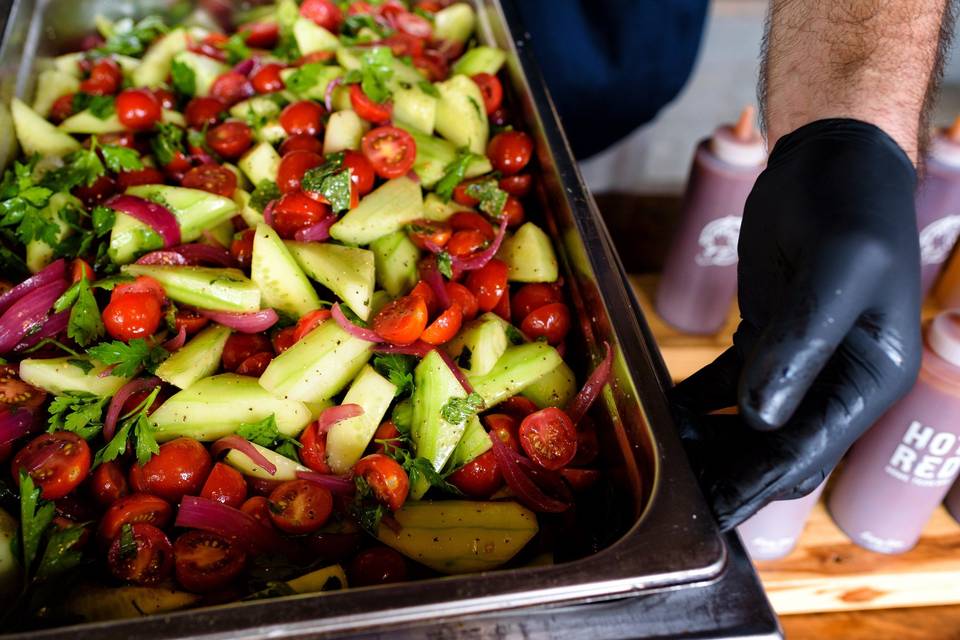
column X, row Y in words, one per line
column 672, row 540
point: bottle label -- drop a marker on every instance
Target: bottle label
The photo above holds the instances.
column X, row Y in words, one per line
column 925, row 457
column 718, row 242
column 937, row 239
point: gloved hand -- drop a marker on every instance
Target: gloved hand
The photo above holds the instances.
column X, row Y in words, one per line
column 829, row 335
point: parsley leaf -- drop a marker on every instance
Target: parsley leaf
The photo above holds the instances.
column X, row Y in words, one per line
column 266, row 434
column 445, row 264
column 398, row 369
column 429, row 89
column 103, row 219
column 84, row 365
column 457, row 410
column 128, row 544
column 85, row 325
column 100, row 106
column 376, row 70
column 304, row 78
column 35, row 516
column 236, row 48
column 80, row 413
column 146, row 443
column 465, row 358
column 62, row 552
column 138, row 425
column 167, row 143
column 128, row 358
column 418, row 468
column 454, row 174
column 332, row 181
column 131, row 39
column 366, row 514
column 120, row 158
column 20, row 202
column 263, row 194
column 492, row 198
column 184, row 78
column 514, row 335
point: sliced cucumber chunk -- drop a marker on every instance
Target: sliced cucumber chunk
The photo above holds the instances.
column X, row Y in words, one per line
column 317, row 90
column 344, row 131
column 461, row 117
column 38, row 136
column 394, row 204
column 195, row 360
column 517, row 368
column 454, row 23
column 203, row 287
column 480, row 60
column 434, row 208
column 347, row 271
column 311, row 37
column 347, row 439
column 286, row 468
column 257, row 106
column 250, row 215
column 395, row 257
column 69, row 373
column 435, row 154
column 205, row 70
column 260, row 163
column 155, row 66
column 282, row 283
column 529, row 255
column 474, row 442
column 555, row 389
column 485, row 339
column 51, row 84
column 414, row 108
column 85, row 122
column 272, row 132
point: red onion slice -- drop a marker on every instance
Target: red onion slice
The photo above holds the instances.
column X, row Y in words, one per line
column 418, row 348
column 455, row 370
column 246, row 448
column 328, row 94
column 412, row 175
column 318, row 232
column 235, row 525
column 55, row 271
column 14, row 424
column 155, row 216
column 268, row 213
column 176, row 341
column 481, row 259
column 332, row 415
column 244, row 67
column 252, row 322
column 118, row 400
column 54, row 325
column 28, row 312
column 333, row 484
column 171, row 258
column 432, row 276
column 525, row 489
column 197, row 253
column 357, row 332
column 591, row 389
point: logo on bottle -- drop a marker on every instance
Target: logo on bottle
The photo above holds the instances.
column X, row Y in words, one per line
column 925, row 457
column 718, row 242
column 937, row 239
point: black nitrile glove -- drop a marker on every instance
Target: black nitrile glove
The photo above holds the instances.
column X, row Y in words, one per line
column 829, row 335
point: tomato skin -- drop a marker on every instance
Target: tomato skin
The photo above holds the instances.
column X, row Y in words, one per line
column 377, row 565
column 231, row 87
column 101, row 189
column 240, row 346
column 460, row 195
column 425, row 232
column 401, row 321
column 105, row 78
column 62, row 108
column 301, row 142
column 211, row 178
column 108, row 484
column 267, row 78
column 503, row 307
column 138, row 109
column 283, row 339
column 549, row 438
column 510, row 152
column 462, row 296
column 490, row 89
column 135, row 315
column 151, row 563
column 517, row 185
column 262, row 35
column 225, row 485
column 323, row 12
column 205, row 110
column 138, row 507
column 580, row 479
column 531, row 297
column 388, row 432
column 513, row 210
column 386, row 478
column 403, row 44
column 304, row 116
column 472, row 221
column 57, row 473
column 479, row 478
column 313, row 453
column 423, row 291
column 551, row 321
column 14, row 392
column 143, row 284
column 255, row 365
column 299, row 506
column 80, row 269
column 241, row 248
column 488, row 284
column 259, row 508
column 190, row 321
column 309, row 322
column 178, row 470
column 205, row 562
column 293, row 166
column 361, row 171
column 445, row 327
column 391, row 151
column 136, row 177
column 166, row 98
column 367, row 108
column 296, row 210
column 230, row 139
column 517, row 406
column 505, row 427
column 466, row 243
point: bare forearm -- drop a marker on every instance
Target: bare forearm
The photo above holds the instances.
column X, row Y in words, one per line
column 874, row 60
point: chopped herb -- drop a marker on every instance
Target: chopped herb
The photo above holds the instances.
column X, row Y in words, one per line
column 61, row 553
column 374, row 74
column 265, row 192
column 492, row 198
column 138, row 425
column 84, row 365
column 128, row 544
column 305, row 78
column 367, row 514
column 353, row 26
column 402, row 416
column 418, row 468
column 287, row 48
column 465, row 358
column 20, row 202
column 429, row 89
column 120, row 158
column 332, row 181
column 80, row 413
column 458, row 410
column 445, row 264
column 184, row 78
column 36, row 515
column 236, row 48
column 398, row 369
column 454, row 174
column 103, row 219
column 167, row 143
column 100, row 106
column 107, row 284
column 85, row 325
column 266, row 434
column 131, row 39
column 128, row 358
column 514, row 335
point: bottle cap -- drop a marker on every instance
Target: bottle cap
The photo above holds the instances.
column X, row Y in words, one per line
column 945, row 146
column 943, row 336
column 740, row 144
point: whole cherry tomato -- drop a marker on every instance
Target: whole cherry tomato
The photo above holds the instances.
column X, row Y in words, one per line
column 401, row 321
column 295, row 211
column 241, row 248
column 135, row 315
column 241, row 346
column 205, row 562
column 386, row 478
column 143, row 284
column 259, row 508
column 549, row 438
column 301, row 142
column 304, row 116
column 299, row 506
column 137, row 177
column 138, row 109
column 423, row 233
column 313, row 453
column 225, row 485
column 267, row 78
column 462, row 296
column 504, row 427
column 148, row 563
column 460, row 195
column 178, row 470
column 323, row 12
column 361, row 171
column 531, row 297
column 478, row 479
column 204, row 110
column 166, row 98
column 105, row 78
column 293, row 166
column 510, row 151
column 367, row 108
column 489, row 284
column 231, row 87
column 230, row 139
column 490, row 89
column 108, row 484
column 262, row 35
column 57, row 462
column 377, row 565
column 551, row 321
column 517, row 185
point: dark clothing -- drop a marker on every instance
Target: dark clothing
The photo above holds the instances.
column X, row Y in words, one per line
column 611, row 65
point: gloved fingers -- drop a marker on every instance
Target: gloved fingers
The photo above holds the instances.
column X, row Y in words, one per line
column 712, row 387
column 796, row 344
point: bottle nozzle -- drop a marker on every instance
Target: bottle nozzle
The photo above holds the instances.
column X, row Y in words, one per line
column 743, row 130
column 953, row 131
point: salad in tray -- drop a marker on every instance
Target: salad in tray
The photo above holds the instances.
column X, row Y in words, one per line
column 275, row 320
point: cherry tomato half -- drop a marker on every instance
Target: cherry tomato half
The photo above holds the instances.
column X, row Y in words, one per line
column 138, row 109
column 225, row 485
column 490, row 89
column 205, row 562
column 230, row 139
column 299, row 506
column 425, row 232
column 467, row 242
column 386, row 432
column 178, row 470
column 301, row 142
column 283, row 339
column 309, row 322
column 323, row 12
column 551, row 321
column 488, row 284
column 240, row 346
column 391, row 151
column 293, row 166
column 255, row 365
column 267, row 78
column 367, row 108
column 531, row 297
column 296, row 210
column 313, row 453
column 137, row 177
column 143, row 284
column 231, row 87
column 479, row 478
column 460, row 195
column 139, row 507
column 92, row 194
column 105, row 78
column 549, row 438
column 108, row 484
column 463, row 297
column 361, row 171
column 472, row 221
column 211, row 178
column 259, row 508
column 241, row 248
column 15, row 393
column 401, row 321
column 262, row 35
column 80, row 269
column 445, row 327
column 57, row 462
column 513, row 210
column 423, row 291
column 135, row 315
column 205, row 110
column 304, row 116
column 517, row 406
column 386, row 478
column 510, row 151
column 517, row 185
column 149, row 562
column 377, row 565
column 189, row 321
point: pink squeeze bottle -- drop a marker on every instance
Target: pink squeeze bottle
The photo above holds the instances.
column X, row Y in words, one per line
column 900, row 470
column 699, row 278
column 773, row 531
column 938, row 204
